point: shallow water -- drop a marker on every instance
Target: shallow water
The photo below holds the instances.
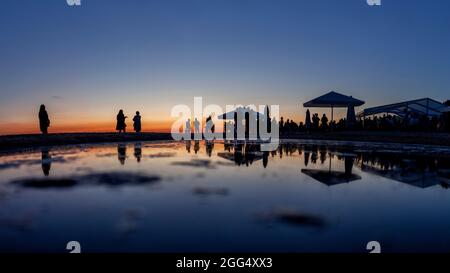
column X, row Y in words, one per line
column 186, row 197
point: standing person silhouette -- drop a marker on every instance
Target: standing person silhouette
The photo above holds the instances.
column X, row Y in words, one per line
column 121, row 126
column 44, row 121
column 187, row 130
column 197, row 126
column 137, row 122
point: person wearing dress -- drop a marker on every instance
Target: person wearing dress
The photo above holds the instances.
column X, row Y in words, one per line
column 121, row 126
column 44, row 121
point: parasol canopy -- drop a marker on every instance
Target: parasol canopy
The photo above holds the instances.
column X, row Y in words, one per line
column 241, row 111
column 333, row 99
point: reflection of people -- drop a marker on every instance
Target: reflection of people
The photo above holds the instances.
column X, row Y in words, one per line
column 209, row 148
column 196, row 146
column 265, row 159
column 138, row 151
column 306, row 156
column 44, row 121
column 122, row 153
column 188, row 146
column 121, row 126
column 137, row 122
column 46, row 161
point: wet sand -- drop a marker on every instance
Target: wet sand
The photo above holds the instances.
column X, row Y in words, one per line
column 32, row 141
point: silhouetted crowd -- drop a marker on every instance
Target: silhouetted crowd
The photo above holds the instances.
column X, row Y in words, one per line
column 410, row 122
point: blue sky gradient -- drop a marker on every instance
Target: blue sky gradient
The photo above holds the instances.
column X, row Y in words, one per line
column 87, row 62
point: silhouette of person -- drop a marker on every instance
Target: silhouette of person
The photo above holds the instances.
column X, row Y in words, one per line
column 138, row 151
column 46, row 161
column 324, row 121
column 137, row 122
column 187, row 129
column 44, row 121
column 197, row 126
column 315, row 120
column 122, row 153
column 121, row 126
column 210, row 127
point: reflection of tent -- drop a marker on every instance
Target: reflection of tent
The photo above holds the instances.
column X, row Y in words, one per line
column 331, row 178
column 242, row 158
column 424, row 106
column 334, row 99
column 244, row 154
column 417, row 179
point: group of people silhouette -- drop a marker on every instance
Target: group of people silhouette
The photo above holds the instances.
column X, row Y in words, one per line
column 121, row 126
column 196, row 126
column 315, row 123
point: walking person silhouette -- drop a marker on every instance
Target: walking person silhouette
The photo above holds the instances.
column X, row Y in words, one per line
column 121, row 126
column 44, row 121
column 137, row 122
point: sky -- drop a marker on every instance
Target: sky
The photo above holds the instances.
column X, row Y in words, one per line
column 87, row 62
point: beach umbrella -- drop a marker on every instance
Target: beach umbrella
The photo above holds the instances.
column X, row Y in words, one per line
column 331, row 178
column 241, row 111
column 333, row 100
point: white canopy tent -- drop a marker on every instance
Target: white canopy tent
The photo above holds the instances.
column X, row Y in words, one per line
column 425, row 106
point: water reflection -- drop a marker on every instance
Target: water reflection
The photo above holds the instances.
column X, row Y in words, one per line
column 46, row 161
column 122, row 153
column 332, row 177
column 138, row 151
column 422, row 171
column 265, row 201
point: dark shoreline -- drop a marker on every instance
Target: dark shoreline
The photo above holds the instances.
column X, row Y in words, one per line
column 12, row 142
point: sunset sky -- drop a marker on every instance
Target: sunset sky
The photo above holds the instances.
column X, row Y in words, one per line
column 85, row 63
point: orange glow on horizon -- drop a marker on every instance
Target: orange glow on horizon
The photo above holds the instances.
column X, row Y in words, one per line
column 93, row 127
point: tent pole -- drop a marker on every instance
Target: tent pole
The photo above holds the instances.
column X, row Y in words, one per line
column 332, row 117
